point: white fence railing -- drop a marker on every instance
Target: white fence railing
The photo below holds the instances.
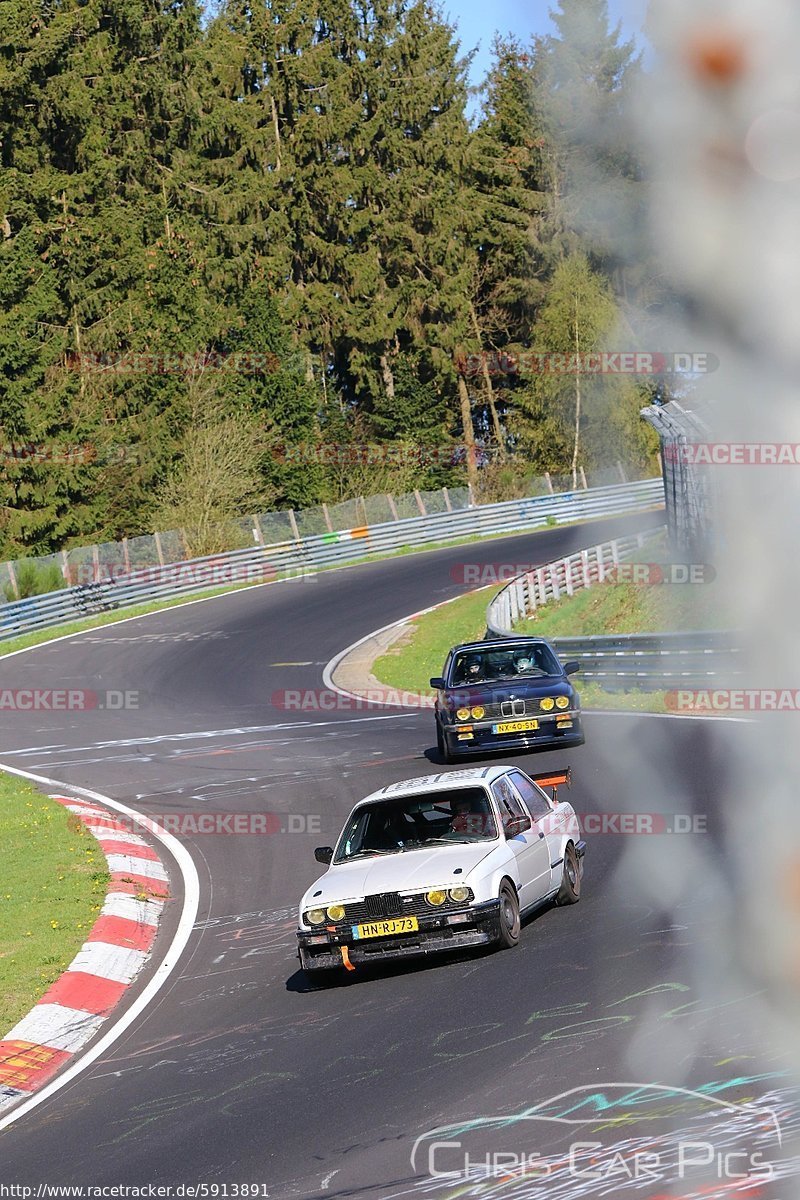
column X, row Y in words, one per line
column 308, row 554
column 555, row 580
column 617, row 662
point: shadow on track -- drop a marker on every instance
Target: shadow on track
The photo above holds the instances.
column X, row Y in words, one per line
column 303, row 982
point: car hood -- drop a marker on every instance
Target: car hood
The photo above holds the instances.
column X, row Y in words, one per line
column 413, row 870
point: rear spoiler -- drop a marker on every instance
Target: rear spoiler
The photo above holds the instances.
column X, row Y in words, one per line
column 554, row 779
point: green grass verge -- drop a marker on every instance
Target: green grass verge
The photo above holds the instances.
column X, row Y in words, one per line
column 631, row 608
column 628, row 608
column 53, row 886
column 409, row 664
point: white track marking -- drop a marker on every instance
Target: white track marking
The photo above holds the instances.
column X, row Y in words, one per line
column 202, row 734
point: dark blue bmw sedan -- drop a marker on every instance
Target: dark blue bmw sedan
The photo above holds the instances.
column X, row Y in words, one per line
column 512, row 693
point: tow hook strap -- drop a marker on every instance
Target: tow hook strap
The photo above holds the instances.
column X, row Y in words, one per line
column 346, row 958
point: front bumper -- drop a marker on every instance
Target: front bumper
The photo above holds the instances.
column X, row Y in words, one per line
column 549, row 734
column 475, row 925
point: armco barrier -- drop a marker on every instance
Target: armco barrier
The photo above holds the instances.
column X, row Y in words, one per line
column 653, row 662
column 321, row 550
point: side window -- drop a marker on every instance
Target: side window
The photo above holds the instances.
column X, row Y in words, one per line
column 537, row 802
column 508, row 802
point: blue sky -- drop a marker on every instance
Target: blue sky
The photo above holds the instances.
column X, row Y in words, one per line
column 477, row 21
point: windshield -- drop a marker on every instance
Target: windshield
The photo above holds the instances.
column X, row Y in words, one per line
column 535, row 661
column 408, row 823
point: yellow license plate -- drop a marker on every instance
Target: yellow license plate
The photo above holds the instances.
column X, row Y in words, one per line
column 515, row 727
column 386, row 928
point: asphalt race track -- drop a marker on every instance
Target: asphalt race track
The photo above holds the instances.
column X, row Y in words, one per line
column 243, row 1073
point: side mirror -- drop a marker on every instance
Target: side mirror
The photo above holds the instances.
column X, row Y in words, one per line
column 518, row 825
column 571, row 667
column 323, row 854
column 438, row 683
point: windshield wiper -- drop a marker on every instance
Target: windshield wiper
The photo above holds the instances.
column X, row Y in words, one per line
column 358, row 853
column 444, row 841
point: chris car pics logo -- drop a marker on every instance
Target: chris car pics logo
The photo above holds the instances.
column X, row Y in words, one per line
column 609, row 1135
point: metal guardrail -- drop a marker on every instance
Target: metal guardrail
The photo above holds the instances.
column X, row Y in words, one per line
column 655, row 662
column 618, row 662
column 304, row 555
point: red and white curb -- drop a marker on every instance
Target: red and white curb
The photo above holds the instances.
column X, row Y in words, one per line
column 73, row 1009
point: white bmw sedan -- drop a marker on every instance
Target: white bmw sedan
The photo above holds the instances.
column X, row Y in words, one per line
column 440, row 863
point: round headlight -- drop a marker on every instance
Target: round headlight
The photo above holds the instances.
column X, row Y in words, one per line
column 546, row 703
column 562, row 702
column 315, row 916
column 336, row 912
column 478, row 712
column 436, row 897
column 463, row 714
column 459, row 894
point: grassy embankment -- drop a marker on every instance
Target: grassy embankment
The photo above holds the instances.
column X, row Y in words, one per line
column 53, row 886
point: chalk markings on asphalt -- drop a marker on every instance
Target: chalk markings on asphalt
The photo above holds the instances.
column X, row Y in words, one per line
column 191, row 735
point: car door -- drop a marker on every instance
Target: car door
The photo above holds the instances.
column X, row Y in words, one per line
column 546, row 820
column 529, row 847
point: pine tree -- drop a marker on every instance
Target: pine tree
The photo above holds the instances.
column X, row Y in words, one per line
column 585, row 76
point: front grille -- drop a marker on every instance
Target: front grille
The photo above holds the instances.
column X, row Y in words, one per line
column 384, row 904
column 371, row 908
column 509, row 710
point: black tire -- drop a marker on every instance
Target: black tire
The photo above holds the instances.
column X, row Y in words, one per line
column 570, row 890
column 441, row 745
column 508, row 935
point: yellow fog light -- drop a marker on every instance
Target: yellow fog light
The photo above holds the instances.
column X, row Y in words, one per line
column 546, row 703
column 562, row 702
column 336, row 912
column 478, row 712
column 459, row 894
column 463, row 714
column 315, row 916
column 436, row 898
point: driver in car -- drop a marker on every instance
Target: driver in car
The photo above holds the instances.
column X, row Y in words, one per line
column 468, row 816
column 390, row 833
column 474, row 669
